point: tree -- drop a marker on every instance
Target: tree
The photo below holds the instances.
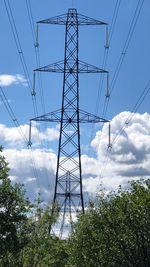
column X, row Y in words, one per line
column 115, row 232
column 43, row 250
column 24, row 237
column 13, row 216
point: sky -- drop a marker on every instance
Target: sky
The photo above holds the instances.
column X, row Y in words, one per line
column 129, row 157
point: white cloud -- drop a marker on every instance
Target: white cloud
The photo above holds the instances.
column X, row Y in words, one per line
column 33, row 169
column 128, row 159
column 130, row 155
column 7, row 79
column 11, row 136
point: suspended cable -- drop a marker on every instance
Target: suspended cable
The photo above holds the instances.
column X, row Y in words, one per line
column 25, row 70
column 125, row 48
column 19, row 129
column 104, row 64
column 37, row 55
column 111, row 32
column 118, row 67
column 106, row 51
column 134, row 110
column 12, row 115
column 114, row 19
column 126, row 44
column 20, row 52
column 124, row 51
column 30, row 19
column 127, row 121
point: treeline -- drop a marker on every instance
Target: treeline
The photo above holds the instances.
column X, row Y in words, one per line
column 114, row 231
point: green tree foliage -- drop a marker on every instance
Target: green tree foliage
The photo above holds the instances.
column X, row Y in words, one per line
column 115, row 232
column 43, row 250
column 13, row 210
column 24, row 237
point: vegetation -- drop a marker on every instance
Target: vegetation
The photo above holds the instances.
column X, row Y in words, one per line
column 42, row 250
column 24, row 236
column 13, row 219
column 114, row 231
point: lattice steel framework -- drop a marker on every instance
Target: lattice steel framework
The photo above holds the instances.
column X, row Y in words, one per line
column 68, row 195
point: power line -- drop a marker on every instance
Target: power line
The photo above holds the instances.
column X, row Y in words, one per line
column 30, row 19
column 114, row 19
column 123, row 53
column 20, row 52
column 105, row 58
column 139, row 102
column 37, row 55
column 26, row 74
column 19, row 129
column 126, row 44
column 106, row 53
column 11, row 114
column 104, row 64
column 134, row 110
column 120, row 62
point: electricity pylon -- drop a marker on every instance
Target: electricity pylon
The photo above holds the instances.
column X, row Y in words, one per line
column 68, row 194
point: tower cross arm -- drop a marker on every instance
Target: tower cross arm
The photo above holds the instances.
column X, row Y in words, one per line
column 60, row 67
column 60, row 20
column 86, row 117
column 54, row 67
column 82, row 20
column 88, row 68
column 54, row 116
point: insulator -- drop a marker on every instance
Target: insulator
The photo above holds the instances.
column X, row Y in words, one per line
column 33, row 93
column 29, row 142
column 109, row 133
column 107, row 44
column 107, row 90
column 127, row 122
column 36, row 37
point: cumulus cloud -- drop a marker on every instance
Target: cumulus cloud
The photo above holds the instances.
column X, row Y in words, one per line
column 35, row 169
column 7, row 79
column 128, row 159
column 10, row 136
column 130, row 154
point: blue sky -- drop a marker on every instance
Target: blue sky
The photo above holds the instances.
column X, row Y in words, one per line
column 131, row 81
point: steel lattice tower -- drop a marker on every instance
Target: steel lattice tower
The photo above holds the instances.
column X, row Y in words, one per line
column 68, row 195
